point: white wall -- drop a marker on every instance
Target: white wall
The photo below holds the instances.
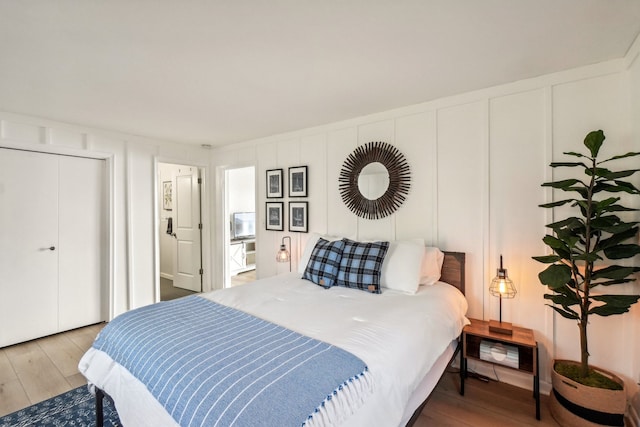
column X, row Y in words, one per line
column 477, row 162
column 132, row 214
column 242, row 190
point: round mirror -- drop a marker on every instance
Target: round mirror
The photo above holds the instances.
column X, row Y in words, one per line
column 373, row 181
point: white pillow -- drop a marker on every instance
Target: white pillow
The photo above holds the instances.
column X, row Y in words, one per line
column 431, row 265
column 401, row 268
column 311, row 243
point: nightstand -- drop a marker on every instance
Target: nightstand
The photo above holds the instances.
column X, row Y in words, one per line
column 518, row 351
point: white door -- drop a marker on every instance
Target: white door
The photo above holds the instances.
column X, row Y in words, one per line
column 28, row 245
column 187, row 230
column 82, row 236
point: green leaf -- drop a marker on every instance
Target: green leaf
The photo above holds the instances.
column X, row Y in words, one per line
column 617, row 300
column 622, row 251
column 593, row 141
column 613, row 304
column 614, row 272
column 554, row 242
column 576, row 222
column 567, row 164
column 607, row 310
column 555, row 204
column 611, row 282
column 616, row 238
column 609, row 188
column 566, row 299
column 627, row 187
column 589, row 171
column 604, row 222
column 589, row 257
column 565, row 314
column 602, row 204
column 574, row 154
column 607, row 174
column 630, row 154
column 547, row 259
column 555, row 276
column 569, row 237
column 565, row 183
column 584, row 192
column 619, row 208
column 618, row 228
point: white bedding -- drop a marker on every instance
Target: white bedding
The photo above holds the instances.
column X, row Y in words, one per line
column 398, row 336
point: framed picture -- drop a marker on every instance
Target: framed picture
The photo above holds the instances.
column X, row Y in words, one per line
column 298, row 181
column 275, row 216
column 167, row 195
column 299, row 216
column 274, row 184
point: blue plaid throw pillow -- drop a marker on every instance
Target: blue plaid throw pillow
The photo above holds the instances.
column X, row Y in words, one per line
column 361, row 265
column 324, row 262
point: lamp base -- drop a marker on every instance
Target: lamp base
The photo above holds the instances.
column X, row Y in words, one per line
column 504, row 328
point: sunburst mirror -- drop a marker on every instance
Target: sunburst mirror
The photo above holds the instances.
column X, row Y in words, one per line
column 374, row 180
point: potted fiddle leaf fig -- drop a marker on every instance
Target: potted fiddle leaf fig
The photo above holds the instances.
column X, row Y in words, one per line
column 581, row 274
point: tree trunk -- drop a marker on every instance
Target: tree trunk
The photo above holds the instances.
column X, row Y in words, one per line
column 584, row 356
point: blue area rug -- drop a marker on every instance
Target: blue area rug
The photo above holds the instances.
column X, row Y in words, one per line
column 75, row 408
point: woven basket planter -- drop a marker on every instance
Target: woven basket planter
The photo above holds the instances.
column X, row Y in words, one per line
column 574, row 404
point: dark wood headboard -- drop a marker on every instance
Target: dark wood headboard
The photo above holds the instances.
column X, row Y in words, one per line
column 453, row 269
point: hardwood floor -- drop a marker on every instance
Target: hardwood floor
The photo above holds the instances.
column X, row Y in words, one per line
column 37, row 370
column 169, row 292
column 484, row 404
column 43, row 368
column 242, row 278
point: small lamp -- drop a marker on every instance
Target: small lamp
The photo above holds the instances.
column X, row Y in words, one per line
column 283, row 254
column 501, row 286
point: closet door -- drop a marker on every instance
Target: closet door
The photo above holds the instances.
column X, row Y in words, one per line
column 28, row 245
column 82, row 210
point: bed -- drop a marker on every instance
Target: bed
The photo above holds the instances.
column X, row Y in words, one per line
column 386, row 351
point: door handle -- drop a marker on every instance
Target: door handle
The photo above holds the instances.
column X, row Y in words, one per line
column 50, row 248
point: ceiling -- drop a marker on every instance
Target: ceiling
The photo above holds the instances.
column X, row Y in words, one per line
column 222, row 71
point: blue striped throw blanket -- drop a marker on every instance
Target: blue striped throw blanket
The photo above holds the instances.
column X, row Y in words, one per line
column 209, row 364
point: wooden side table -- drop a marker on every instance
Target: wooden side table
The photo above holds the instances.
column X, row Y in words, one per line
column 522, row 339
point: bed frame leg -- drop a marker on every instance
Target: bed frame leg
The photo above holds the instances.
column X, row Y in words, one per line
column 99, row 408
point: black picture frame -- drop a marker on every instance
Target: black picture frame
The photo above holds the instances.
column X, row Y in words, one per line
column 274, row 219
column 298, row 181
column 167, row 195
column 299, row 217
column 274, row 184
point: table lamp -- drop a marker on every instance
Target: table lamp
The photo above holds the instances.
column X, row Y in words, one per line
column 283, row 254
column 502, row 287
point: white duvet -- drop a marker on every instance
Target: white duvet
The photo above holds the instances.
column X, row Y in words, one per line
column 398, row 336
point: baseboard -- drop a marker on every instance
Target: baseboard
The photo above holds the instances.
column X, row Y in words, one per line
column 166, row 276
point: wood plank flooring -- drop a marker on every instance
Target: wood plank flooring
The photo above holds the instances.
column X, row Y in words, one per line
column 43, row 368
column 242, row 278
column 37, row 370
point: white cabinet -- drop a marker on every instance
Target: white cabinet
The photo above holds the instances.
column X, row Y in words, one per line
column 52, row 212
column 242, row 255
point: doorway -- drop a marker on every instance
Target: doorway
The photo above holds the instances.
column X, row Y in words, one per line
column 180, row 230
column 240, row 211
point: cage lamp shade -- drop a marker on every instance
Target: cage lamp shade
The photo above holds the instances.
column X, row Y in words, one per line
column 501, row 285
column 283, row 254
